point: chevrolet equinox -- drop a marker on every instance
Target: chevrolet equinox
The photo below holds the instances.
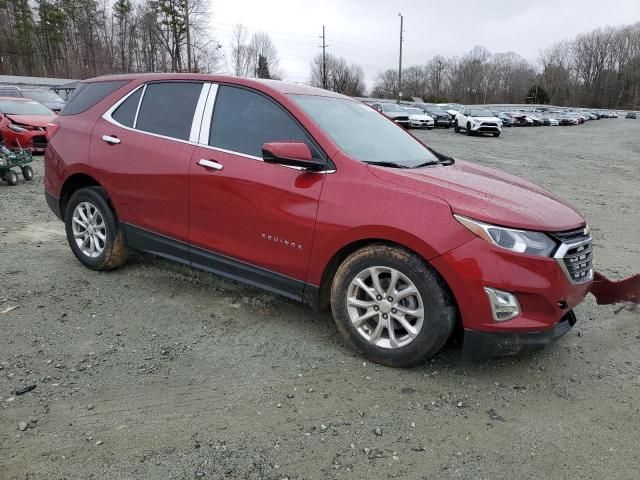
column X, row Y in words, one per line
column 320, row 198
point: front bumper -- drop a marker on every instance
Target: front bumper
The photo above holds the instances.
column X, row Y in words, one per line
column 544, row 291
column 421, row 123
column 33, row 140
column 484, row 128
column 481, row 345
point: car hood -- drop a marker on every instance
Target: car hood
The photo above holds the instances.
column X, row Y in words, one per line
column 419, row 116
column 55, row 106
column 488, row 195
column 32, row 120
column 485, row 119
column 396, row 114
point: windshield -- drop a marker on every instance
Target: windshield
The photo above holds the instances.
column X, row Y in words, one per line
column 362, row 133
column 480, row 112
column 432, row 109
column 390, row 107
column 43, row 96
column 414, row 111
column 23, row 108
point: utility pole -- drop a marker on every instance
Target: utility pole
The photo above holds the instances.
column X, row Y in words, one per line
column 400, row 63
column 187, row 26
column 324, row 61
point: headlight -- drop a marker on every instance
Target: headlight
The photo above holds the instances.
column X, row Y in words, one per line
column 16, row 128
column 520, row 241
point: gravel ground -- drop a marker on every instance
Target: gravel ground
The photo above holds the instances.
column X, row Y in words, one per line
column 158, row 371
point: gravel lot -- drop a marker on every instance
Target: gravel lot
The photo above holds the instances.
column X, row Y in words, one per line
column 158, row 371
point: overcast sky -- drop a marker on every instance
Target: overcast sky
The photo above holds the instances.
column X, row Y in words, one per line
column 367, row 31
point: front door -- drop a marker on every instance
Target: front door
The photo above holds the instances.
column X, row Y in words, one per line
column 249, row 219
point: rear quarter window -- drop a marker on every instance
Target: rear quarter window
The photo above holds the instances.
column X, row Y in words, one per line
column 125, row 114
column 86, row 95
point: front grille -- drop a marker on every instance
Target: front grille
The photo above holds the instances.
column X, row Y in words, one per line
column 401, row 119
column 575, row 254
column 40, row 141
column 489, row 124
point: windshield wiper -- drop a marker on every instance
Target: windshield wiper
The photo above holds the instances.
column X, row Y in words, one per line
column 387, row 164
column 426, row 164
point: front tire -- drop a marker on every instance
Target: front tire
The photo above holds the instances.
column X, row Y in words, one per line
column 496, row 134
column 456, row 128
column 469, row 132
column 391, row 305
column 93, row 230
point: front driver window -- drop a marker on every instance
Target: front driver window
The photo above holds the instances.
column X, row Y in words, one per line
column 243, row 120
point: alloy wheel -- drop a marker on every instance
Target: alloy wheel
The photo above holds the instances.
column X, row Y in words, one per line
column 89, row 229
column 385, row 307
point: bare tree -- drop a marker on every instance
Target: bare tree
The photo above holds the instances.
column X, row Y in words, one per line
column 241, row 54
column 341, row 77
column 386, row 84
column 262, row 46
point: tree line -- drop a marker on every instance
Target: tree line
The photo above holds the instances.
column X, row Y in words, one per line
column 598, row 69
column 86, row 38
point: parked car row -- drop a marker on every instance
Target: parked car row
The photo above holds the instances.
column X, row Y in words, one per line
column 45, row 96
column 485, row 119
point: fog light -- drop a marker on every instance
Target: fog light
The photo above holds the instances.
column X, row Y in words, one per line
column 504, row 305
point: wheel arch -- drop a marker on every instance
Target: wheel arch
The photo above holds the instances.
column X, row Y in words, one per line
column 73, row 184
column 321, row 302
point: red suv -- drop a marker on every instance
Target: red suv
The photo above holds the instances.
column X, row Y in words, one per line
column 322, row 199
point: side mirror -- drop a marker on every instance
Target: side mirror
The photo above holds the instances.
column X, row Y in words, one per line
column 296, row 154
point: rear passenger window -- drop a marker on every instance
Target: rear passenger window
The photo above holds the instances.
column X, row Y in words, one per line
column 86, row 95
column 167, row 108
column 244, row 120
column 125, row 114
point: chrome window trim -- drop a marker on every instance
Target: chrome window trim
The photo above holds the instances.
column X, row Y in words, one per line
column 135, row 118
column 207, row 116
column 206, row 130
column 196, row 123
column 259, row 159
column 108, row 115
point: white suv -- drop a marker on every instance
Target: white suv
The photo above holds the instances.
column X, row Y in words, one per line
column 477, row 120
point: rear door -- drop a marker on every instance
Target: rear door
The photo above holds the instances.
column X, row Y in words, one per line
column 250, row 219
column 142, row 147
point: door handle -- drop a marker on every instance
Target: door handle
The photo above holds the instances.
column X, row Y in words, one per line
column 110, row 139
column 203, row 162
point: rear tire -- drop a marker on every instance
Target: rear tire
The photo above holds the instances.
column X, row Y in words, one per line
column 427, row 317
column 11, row 178
column 93, row 230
